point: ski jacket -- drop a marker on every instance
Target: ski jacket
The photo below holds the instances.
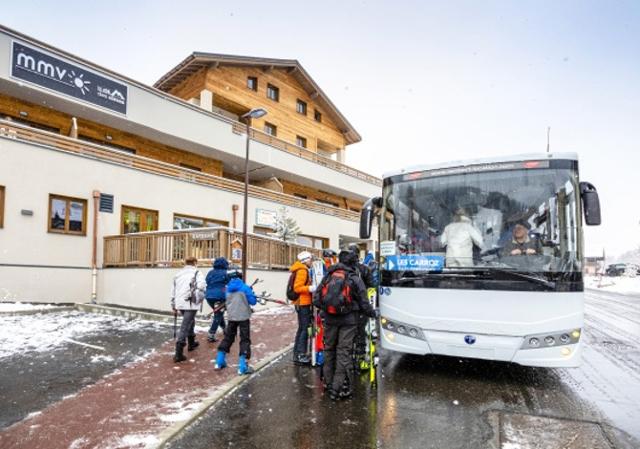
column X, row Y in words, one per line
column 181, row 290
column 240, row 298
column 366, row 275
column 217, row 280
column 459, row 238
column 302, row 283
column 358, row 298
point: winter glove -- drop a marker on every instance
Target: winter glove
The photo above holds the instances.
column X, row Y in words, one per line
column 312, row 288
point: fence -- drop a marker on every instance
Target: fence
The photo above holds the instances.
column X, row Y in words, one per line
column 169, row 249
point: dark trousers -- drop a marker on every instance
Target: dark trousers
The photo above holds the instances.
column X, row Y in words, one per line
column 187, row 326
column 230, row 336
column 218, row 317
column 302, row 334
column 338, row 364
column 361, row 335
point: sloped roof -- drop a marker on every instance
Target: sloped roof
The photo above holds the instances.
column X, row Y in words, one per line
column 198, row 60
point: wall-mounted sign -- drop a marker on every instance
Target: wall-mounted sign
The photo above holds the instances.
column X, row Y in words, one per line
column 45, row 70
column 415, row 262
column 265, row 217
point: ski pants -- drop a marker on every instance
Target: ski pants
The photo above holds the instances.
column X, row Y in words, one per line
column 187, row 326
column 338, row 362
column 305, row 314
column 361, row 335
column 230, row 336
column 218, row 317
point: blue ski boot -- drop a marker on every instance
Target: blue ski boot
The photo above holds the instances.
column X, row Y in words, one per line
column 243, row 366
column 221, row 360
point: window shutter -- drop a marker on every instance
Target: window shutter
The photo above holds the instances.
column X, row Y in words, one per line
column 106, row 203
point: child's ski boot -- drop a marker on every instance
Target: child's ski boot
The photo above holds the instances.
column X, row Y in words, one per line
column 243, row 366
column 221, row 360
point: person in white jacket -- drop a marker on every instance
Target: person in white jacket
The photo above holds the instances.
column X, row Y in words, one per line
column 459, row 238
column 187, row 295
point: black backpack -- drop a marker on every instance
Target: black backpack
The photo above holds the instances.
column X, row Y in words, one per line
column 334, row 295
column 291, row 293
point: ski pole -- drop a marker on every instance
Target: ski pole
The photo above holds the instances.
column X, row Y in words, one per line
column 277, row 301
column 175, row 323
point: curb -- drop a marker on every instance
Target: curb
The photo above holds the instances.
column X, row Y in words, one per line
column 129, row 313
column 170, row 433
column 37, row 311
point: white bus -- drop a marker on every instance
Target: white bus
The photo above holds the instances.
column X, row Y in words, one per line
column 483, row 258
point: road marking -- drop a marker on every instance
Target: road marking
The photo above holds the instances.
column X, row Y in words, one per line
column 100, row 348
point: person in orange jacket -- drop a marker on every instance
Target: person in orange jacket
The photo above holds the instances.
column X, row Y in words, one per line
column 303, row 288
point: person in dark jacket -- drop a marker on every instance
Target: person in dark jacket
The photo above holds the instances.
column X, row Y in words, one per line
column 366, row 274
column 340, row 330
column 217, row 280
column 239, row 299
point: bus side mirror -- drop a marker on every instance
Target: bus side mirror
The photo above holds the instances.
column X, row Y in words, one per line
column 590, row 204
column 366, row 216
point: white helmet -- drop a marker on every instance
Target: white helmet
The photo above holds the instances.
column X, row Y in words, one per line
column 304, row 256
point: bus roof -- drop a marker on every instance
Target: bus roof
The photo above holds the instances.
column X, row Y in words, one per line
column 488, row 160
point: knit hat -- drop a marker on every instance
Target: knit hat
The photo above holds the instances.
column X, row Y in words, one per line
column 304, row 256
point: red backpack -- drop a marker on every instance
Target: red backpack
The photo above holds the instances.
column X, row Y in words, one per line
column 335, row 293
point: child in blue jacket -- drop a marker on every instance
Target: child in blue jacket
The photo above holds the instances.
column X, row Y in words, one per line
column 240, row 298
column 217, row 280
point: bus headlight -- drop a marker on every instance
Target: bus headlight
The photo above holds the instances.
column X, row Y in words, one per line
column 560, row 338
column 401, row 328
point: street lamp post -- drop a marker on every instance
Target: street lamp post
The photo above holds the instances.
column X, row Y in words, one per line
column 254, row 113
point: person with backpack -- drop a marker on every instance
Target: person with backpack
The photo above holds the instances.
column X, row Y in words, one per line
column 366, row 274
column 217, row 280
column 187, row 295
column 341, row 296
column 299, row 290
column 239, row 299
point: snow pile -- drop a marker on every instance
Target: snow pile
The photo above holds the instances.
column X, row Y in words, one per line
column 619, row 284
column 42, row 333
column 19, row 306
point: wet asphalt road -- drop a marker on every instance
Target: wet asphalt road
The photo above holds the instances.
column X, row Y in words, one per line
column 441, row 402
column 32, row 379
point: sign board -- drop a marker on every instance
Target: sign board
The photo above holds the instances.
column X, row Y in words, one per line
column 388, row 248
column 204, row 235
column 414, row 262
column 43, row 69
column 265, row 217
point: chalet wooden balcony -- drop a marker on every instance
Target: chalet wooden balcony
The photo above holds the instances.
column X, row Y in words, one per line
column 58, row 142
column 170, row 248
column 304, row 153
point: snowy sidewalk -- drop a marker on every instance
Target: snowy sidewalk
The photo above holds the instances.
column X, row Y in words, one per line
column 133, row 406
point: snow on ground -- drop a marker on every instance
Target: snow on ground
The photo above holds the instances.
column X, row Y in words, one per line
column 44, row 332
column 20, row 306
column 619, row 284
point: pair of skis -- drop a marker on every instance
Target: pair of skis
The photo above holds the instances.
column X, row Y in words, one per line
column 316, row 331
column 371, row 356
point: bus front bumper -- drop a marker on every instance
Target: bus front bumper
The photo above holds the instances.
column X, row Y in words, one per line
column 486, row 347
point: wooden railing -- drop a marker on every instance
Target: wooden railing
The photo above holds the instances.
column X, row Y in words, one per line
column 304, row 153
column 44, row 138
column 170, row 248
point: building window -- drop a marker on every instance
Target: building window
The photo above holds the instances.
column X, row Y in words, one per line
column 252, row 83
column 301, row 107
column 301, row 141
column 190, row 167
column 300, row 195
column 273, row 92
column 135, row 219
column 1, row 207
column 35, row 125
column 270, row 129
column 329, row 203
column 317, row 116
column 312, row 241
column 67, row 215
column 181, row 221
column 263, row 230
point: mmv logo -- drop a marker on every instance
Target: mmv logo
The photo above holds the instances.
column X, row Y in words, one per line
column 57, row 74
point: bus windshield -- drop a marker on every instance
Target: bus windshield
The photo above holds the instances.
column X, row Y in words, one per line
column 519, row 225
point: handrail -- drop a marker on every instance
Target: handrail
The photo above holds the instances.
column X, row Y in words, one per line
column 170, row 248
column 304, row 153
column 48, row 139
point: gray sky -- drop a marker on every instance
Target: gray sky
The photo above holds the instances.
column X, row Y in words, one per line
column 422, row 81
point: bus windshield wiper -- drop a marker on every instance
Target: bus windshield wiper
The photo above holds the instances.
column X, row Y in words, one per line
column 527, row 275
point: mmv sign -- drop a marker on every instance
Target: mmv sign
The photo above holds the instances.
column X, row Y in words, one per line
column 48, row 71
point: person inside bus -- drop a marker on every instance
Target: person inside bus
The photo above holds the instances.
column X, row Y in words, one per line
column 521, row 244
column 458, row 238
